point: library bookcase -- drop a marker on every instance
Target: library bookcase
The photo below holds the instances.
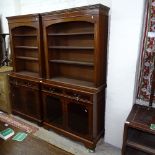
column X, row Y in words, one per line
column 59, row 78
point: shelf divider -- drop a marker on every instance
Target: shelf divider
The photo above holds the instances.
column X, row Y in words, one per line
column 27, row 47
column 71, row 47
column 70, row 34
column 140, row 147
column 73, row 62
column 26, row 58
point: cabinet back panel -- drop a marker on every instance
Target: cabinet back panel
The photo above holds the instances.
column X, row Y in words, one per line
column 79, row 40
column 73, row 71
column 70, row 27
column 30, row 66
column 75, row 55
column 27, row 53
column 25, row 41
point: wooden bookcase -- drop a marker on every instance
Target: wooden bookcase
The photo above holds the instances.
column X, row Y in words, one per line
column 138, row 138
column 70, row 96
column 76, row 45
column 28, row 67
column 26, row 45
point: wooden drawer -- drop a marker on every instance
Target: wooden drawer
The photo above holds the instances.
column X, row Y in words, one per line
column 24, row 83
column 79, row 96
column 52, row 89
column 68, row 93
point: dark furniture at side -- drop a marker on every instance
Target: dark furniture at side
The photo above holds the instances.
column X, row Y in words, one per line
column 139, row 139
column 73, row 87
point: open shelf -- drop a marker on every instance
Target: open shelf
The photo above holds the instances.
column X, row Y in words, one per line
column 71, row 33
column 131, row 151
column 27, row 47
column 141, row 147
column 141, row 140
column 73, row 81
column 27, row 73
column 71, row 47
column 27, row 66
column 72, row 62
column 27, row 58
column 25, row 35
column 26, row 50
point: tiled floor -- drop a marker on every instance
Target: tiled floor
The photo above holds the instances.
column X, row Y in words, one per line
column 72, row 146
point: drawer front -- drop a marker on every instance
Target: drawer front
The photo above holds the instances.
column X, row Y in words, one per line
column 79, row 96
column 24, row 83
column 68, row 93
column 52, row 89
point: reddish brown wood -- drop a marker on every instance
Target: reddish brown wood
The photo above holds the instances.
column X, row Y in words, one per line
column 70, row 96
column 26, row 41
column 73, row 27
column 25, row 97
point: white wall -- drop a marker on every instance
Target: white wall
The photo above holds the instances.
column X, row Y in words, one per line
column 8, row 8
column 36, row 6
column 125, row 35
column 125, row 27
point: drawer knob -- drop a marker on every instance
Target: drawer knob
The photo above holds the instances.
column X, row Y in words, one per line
column 86, row 110
column 52, row 90
column 77, row 98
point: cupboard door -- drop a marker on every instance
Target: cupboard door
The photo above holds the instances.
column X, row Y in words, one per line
column 53, row 109
column 32, row 102
column 17, row 98
column 26, row 100
column 79, row 118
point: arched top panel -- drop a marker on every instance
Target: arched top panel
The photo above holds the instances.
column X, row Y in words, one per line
column 24, row 30
column 71, row 27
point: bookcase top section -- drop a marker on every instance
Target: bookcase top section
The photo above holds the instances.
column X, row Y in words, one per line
column 90, row 9
column 84, row 9
column 23, row 18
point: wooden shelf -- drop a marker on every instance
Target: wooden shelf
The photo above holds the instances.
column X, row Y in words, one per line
column 131, row 151
column 27, row 73
column 71, row 34
column 137, row 130
column 27, row 47
column 73, row 81
column 24, row 35
column 140, row 147
column 73, row 62
column 71, row 47
column 26, row 58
